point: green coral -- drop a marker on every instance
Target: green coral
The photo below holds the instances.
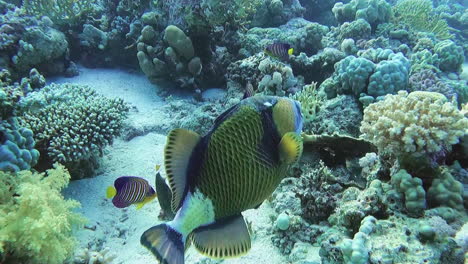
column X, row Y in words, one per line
column 17, row 149
column 373, row 11
column 415, row 196
column 446, row 191
column 61, row 12
column 310, row 101
column 234, row 13
column 450, row 55
column 420, row 16
column 356, row 251
column 72, row 122
column 36, row 222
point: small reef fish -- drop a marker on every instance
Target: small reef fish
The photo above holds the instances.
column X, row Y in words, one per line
column 279, row 50
column 128, row 190
column 214, row 178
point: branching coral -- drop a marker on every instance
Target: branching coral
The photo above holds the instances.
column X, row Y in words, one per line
column 60, row 11
column 419, row 15
column 36, row 222
column 71, row 122
column 417, row 123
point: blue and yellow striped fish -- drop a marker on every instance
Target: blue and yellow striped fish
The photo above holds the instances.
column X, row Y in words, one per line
column 128, row 190
column 279, row 50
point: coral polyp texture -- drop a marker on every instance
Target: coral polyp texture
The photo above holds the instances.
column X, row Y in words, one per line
column 72, row 122
column 36, row 222
column 17, row 150
column 416, row 123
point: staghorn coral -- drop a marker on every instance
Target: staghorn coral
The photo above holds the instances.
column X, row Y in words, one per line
column 72, row 122
column 62, row 12
column 420, row 16
column 36, row 222
column 417, row 123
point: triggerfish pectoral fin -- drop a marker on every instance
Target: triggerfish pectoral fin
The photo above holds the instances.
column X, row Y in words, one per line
column 164, row 195
column 110, row 192
column 165, row 243
column 290, row 51
column 291, row 147
column 223, row 239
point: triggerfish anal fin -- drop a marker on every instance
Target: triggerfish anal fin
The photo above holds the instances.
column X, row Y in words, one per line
column 177, row 152
column 291, row 147
column 164, row 195
column 223, row 239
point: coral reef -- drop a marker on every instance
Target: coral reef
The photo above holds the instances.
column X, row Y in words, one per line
column 71, row 122
column 393, row 127
column 36, row 221
column 17, row 150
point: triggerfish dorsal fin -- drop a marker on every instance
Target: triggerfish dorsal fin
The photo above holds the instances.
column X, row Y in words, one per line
column 223, row 239
column 110, row 192
column 291, row 147
column 179, row 146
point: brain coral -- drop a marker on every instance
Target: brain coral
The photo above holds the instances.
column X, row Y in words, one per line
column 415, row 123
column 71, row 122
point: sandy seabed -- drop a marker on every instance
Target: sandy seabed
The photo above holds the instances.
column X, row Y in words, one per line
column 120, row 229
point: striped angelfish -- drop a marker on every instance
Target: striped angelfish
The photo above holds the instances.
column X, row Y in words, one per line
column 128, row 190
column 279, row 50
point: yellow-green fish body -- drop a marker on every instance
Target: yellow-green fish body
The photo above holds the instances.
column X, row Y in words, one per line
column 213, row 178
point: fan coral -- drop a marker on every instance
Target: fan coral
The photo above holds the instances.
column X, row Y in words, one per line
column 416, row 123
column 36, row 222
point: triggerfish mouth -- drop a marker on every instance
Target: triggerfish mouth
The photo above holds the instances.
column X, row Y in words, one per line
column 128, row 190
column 215, row 177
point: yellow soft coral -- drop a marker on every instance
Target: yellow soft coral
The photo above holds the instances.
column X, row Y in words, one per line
column 417, row 123
column 36, row 221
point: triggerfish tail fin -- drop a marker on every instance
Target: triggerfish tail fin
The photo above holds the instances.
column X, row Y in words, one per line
column 223, row 239
column 165, row 243
column 110, row 192
column 291, row 147
column 290, row 51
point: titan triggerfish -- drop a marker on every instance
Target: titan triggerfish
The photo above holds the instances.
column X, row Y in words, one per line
column 214, row 178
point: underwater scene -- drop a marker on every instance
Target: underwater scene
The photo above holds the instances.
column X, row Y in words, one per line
column 233, row 131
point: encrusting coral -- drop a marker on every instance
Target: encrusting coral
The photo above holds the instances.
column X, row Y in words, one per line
column 36, row 222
